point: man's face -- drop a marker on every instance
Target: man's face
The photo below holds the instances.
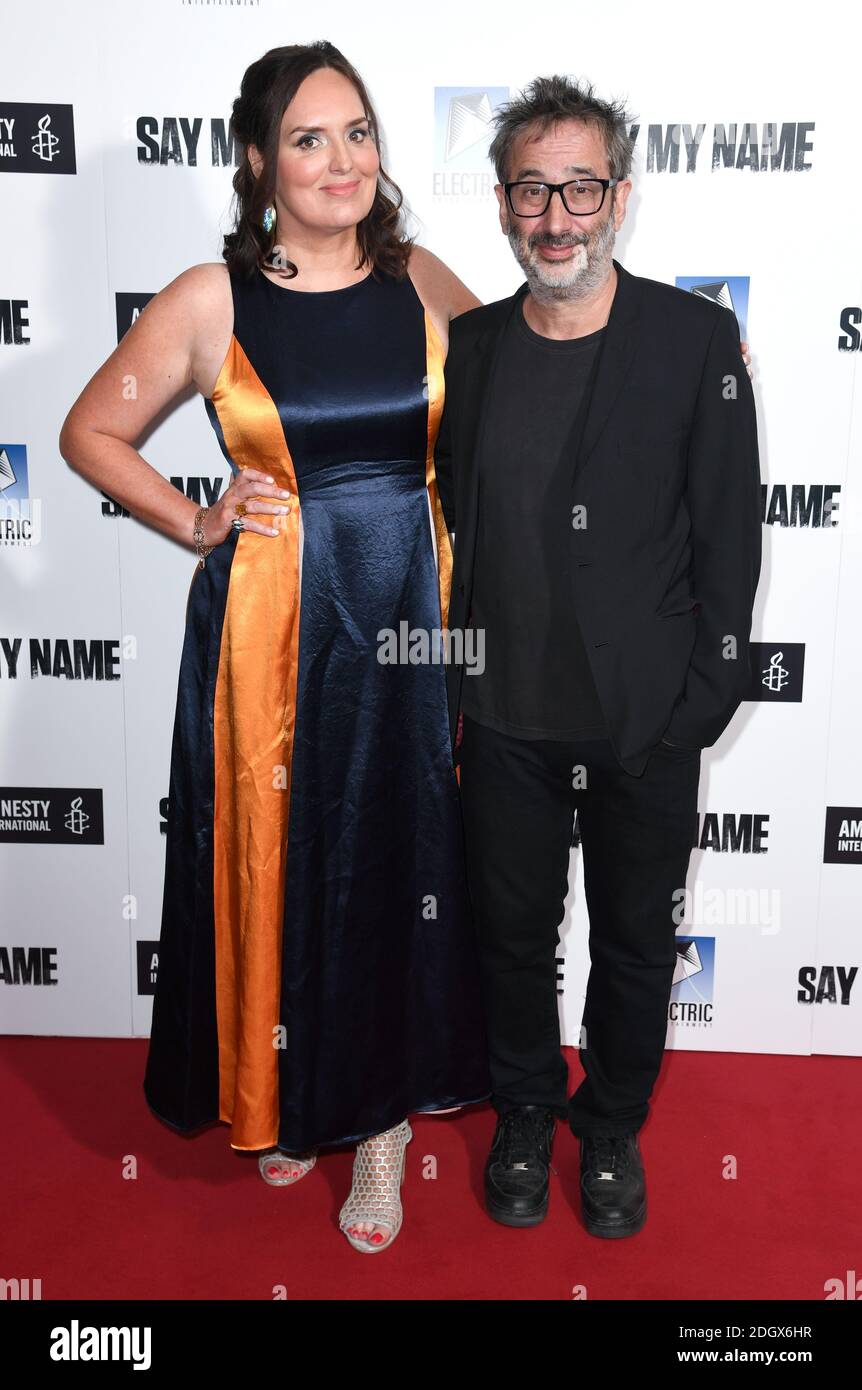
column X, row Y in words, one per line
column 563, row 255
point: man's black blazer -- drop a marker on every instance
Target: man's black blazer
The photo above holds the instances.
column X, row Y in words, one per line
column 665, row 567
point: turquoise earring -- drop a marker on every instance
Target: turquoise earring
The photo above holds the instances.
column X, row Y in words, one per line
column 268, row 218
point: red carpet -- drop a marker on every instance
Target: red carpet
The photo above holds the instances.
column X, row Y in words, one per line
column 198, row 1222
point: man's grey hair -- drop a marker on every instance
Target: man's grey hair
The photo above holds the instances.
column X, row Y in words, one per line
column 550, row 99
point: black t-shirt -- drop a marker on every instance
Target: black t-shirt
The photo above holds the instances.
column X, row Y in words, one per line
column 536, row 681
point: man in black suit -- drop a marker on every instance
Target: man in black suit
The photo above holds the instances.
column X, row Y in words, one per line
column 597, row 460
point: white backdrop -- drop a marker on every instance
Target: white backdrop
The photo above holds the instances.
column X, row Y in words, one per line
column 108, row 198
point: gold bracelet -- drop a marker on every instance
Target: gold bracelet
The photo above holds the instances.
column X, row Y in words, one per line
column 198, row 534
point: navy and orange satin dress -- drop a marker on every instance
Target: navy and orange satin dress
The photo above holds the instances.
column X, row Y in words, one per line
column 318, row 977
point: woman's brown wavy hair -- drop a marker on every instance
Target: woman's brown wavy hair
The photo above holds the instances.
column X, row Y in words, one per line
column 268, row 87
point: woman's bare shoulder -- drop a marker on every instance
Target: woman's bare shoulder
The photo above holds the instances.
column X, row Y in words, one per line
column 179, row 339
column 194, row 289
column 202, row 296
column 209, row 277
column 439, row 283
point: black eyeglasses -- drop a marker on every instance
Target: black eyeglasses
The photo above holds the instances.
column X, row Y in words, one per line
column 580, row 197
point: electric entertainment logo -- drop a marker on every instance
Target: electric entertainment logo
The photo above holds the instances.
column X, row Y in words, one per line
column 20, row 514
column 691, row 996
column 730, row 291
column 463, row 130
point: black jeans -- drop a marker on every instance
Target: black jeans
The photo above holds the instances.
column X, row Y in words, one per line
column 636, row 834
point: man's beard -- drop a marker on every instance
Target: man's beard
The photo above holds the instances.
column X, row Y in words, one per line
column 575, row 279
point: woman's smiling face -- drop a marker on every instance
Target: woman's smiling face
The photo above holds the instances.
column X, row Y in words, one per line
column 327, row 158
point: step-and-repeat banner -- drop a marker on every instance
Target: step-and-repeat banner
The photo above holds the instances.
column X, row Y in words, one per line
column 116, row 162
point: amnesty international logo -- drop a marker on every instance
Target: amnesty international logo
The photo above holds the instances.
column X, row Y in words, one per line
column 843, row 839
column 777, row 671
column 45, row 144
column 775, row 676
column 77, row 820
column 463, row 130
column 36, row 139
column 52, row 815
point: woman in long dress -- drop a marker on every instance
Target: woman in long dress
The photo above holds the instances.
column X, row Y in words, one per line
column 318, row 981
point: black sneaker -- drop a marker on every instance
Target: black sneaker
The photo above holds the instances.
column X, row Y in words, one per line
column 613, row 1188
column 516, row 1173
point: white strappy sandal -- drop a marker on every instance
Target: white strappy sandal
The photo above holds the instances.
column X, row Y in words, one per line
column 375, row 1197
column 280, row 1169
